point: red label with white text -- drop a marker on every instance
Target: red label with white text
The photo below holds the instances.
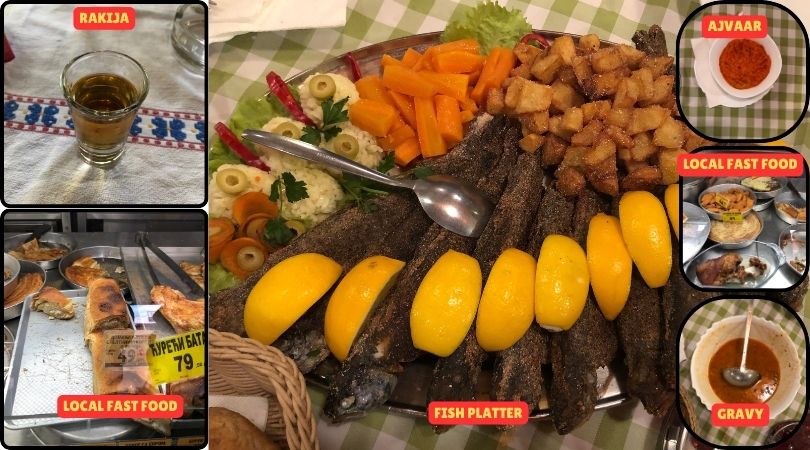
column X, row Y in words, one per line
column 478, row 413
column 120, row 406
column 740, row 165
column 103, row 18
column 733, row 27
column 740, row 414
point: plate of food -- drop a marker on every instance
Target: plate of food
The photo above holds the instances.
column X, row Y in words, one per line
column 791, row 208
column 30, row 281
column 793, row 242
column 727, row 199
column 534, row 137
column 82, row 266
column 46, row 251
column 744, row 268
column 764, row 187
column 735, row 235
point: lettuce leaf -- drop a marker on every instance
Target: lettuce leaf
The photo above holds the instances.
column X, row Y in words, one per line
column 219, row 278
column 491, row 24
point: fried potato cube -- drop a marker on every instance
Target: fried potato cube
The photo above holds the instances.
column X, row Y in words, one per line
column 631, row 165
column 553, row 151
column 530, row 143
column 607, row 60
column 582, row 69
column 668, row 163
column 532, row 96
column 566, row 75
column 495, row 101
column 602, row 85
column 602, row 149
column 546, row 67
column 574, row 156
column 588, row 134
column 693, row 141
column 589, row 43
column 555, row 127
column 642, row 147
column 670, row 134
column 604, row 176
column 642, row 179
column 522, row 71
column 630, row 55
column 564, row 46
column 526, row 53
column 619, row 136
column 572, row 119
column 626, row 93
column 595, row 110
column 536, row 122
column 564, row 96
column 619, row 117
column 513, row 91
column 658, row 65
column 570, row 181
column 645, row 82
column 648, row 118
column 662, row 90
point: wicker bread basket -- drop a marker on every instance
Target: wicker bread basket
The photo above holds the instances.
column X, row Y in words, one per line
column 240, row 366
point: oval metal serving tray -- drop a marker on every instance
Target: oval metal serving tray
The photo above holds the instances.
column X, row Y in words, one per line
column 409, row 397
column 771, row 254
column 14, row 311
column 49, row 239
column 109, row 258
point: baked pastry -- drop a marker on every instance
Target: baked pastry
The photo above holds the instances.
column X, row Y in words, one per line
column 54, row 303
column 228, row 430
column 106, row 308
column 116, row 379
column 192, row 390
column 183, row 314
column 27, row 284
column 84, row 270
column 31, row 251
column 195, row 271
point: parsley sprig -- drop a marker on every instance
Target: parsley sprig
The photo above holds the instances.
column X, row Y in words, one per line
column 333, row 114
column 276, row 231
column 363, row 192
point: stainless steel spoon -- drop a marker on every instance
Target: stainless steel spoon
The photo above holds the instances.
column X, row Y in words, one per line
column 742, row 376
column 450, row 202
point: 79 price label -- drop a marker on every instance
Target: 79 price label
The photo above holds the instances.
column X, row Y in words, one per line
column 177, row 357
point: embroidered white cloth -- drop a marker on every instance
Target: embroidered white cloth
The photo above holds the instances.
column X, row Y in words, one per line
column 164, row 159
column 229, row 18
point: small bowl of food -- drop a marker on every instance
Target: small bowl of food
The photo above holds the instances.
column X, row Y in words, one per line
column 727, row 199
column 790, row 208
column 745, row 68
column 764, row 187
column 11, row 271
column 793, row 242
column 771, row 352
column 736, row 235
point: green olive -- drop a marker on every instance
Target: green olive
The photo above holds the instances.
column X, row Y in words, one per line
column 322, row 87
column 232, row 181
column 250, row 258
column 287, row 129
column 296, row 227
column 346, row 145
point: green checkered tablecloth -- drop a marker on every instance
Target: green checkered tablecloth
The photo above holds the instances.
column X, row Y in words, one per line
column 698, row 324
column 774, row 113
column 237, row 70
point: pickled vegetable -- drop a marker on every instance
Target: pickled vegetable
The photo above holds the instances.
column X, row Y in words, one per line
column 289, row 130
column 232, row 181
column 296, row 226
column 322, row 87
column 250, row 258
column 346, row 145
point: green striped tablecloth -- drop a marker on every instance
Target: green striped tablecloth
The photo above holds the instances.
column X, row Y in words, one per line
column 237, row 70
column 696, row 327
column 774, row 113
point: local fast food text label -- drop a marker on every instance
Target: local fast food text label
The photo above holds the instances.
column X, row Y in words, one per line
column 478, row 413
column 103, row 18
column 740, row 165
column 120, row 406
column 177, row 357
column 740, row 414
column 732, row 27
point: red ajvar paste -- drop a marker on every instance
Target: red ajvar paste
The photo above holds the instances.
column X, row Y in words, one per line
column 744, row 63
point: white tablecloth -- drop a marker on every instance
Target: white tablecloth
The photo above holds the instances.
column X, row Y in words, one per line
column 164, row 161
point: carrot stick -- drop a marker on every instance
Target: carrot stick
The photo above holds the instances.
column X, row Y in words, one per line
column 466, row 116
column 410, row 58
column 389, row 60
column 452, row 84
column 401, row 134
column 430, row 140
column 371, row 87
column 479, row 92
column 372, row 116
column 406, row 152
column 457, row 62
column 448, row 117
column 406, row 81
column 405, row 106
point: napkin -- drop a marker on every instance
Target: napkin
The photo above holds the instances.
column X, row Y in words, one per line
column 253, row 408
column 715, row 95
column 229, row 18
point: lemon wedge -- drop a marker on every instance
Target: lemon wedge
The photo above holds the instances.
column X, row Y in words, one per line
column 286, row 292
column 445, row 303
column 609, row 264
column 646, row 233
column 354, row 298
column 561, row 283
column 506, row 309
column 672, row 198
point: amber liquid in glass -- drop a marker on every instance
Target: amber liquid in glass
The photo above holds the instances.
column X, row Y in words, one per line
column 103, row 94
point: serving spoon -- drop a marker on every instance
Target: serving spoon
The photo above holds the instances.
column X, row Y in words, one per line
column 742, row 376
column 450, row 202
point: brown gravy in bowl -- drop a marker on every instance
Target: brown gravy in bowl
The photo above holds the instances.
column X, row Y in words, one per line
column 760, row 358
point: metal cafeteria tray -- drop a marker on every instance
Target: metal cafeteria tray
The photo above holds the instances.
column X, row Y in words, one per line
column 769, row 253
column 48, row 240
column 50, row 359
column 14, row 311
column 108, row 257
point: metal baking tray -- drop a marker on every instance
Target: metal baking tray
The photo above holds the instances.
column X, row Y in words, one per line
column 108, row 257
column 50, row 359
column 771, row 254
column 793, row 242
column 694, row 231
column 14, row 311
column 8, row 350
column 49, row 239
column 793, row 200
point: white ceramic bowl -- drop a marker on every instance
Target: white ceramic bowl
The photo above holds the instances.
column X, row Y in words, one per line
column 776, row 68
column 770, row 334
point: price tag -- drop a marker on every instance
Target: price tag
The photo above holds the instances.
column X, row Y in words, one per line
column 732, row 217
column 126, row 348
column 177, row 357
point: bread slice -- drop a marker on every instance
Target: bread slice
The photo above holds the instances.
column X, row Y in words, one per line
column 228, row 430
column 53, row 302
column 116, row 379
column 106, row 308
